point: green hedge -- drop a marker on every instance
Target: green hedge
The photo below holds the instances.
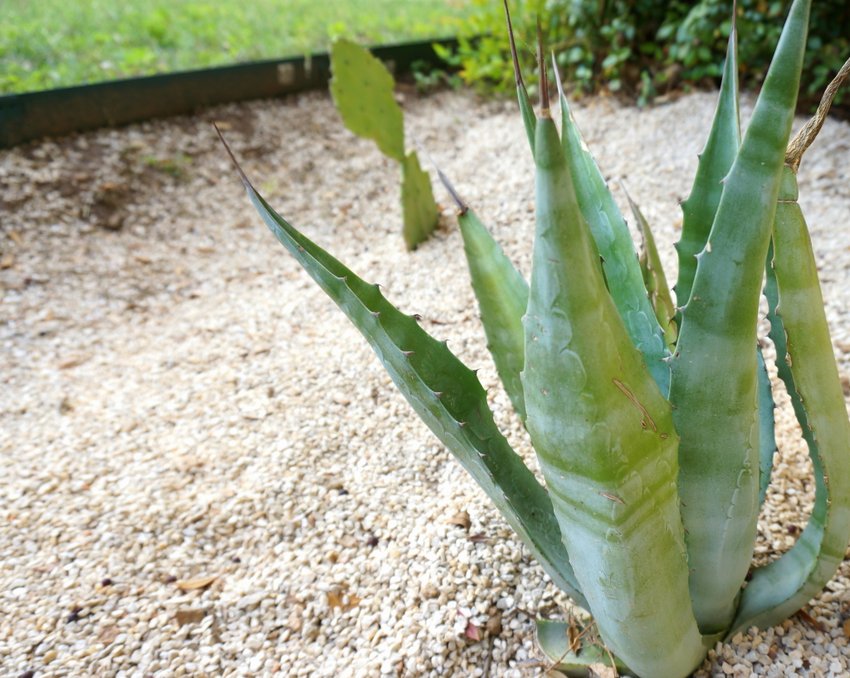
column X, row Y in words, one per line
column 644, row 48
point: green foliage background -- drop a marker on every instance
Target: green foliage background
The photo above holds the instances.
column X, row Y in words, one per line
column 644, row 47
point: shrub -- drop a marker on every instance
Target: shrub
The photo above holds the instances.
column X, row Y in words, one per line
column 643, row 47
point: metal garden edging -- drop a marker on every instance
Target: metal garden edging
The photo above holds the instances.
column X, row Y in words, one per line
column 32, row 115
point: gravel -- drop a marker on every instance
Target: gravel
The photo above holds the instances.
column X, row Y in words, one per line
column 206, row 471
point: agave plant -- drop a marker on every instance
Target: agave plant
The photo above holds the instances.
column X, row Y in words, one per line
column 652, row 424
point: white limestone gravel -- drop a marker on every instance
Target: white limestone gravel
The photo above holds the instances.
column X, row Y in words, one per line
column 205, row 471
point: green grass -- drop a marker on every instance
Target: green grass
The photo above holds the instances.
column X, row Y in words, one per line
column 56, row 43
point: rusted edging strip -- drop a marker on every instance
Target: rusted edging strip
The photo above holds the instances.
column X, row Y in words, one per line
column 33, row 115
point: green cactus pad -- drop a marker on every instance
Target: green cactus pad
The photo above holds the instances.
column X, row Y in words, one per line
column 417, row 202
column 362, row 89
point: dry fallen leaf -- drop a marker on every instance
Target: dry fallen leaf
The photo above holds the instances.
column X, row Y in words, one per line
column 108, row 634
column 73, row 361
column 810, row 620
column 296, row 618
column 846, row 628
column 460, row 519
column 190, row 615
column 574, row 636
column 472, row 632
column 196, row 583
column 338, row 598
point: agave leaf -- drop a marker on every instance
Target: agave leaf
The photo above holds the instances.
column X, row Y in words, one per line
column 362, row 89
column 807, row 366
column 442, row 390
column 714, row 384
column 615, row 247
column 554, row 640
column 502, row 295
column 767, row 426
column 715, row 162
column 605, row 438
column 654, row 279
column 417, row 202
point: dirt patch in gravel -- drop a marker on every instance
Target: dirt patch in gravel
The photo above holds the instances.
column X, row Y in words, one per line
column 206, row 472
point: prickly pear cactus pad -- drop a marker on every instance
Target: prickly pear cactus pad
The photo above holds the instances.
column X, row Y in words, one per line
column 417, row 202
column 362, row 89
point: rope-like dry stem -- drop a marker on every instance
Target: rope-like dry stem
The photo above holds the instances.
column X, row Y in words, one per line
column 806, row 136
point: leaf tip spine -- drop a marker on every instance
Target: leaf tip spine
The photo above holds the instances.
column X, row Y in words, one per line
column 462, row 207
column 236, row 164
column 544, row 81
column 517, row 71
column 558, row 82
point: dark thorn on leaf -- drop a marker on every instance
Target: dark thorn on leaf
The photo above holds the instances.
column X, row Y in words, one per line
column 544, row 82
column 461, row 205
column 517, row 71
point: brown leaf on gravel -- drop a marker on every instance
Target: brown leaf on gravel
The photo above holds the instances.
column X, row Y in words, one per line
column 333, row 482
column 338, row 598
column 810, row 620
column 472, row 632
column 494, row 624
column 74, row 361
column 575, row 636
column 196, row 583
column 846, row 628
column 190, row 615
column 480, row 538
column 108, row 634
column 7, row 261
column 296, row 618
column 460, row 519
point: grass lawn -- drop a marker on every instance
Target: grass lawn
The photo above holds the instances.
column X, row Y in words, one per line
column 56, row 43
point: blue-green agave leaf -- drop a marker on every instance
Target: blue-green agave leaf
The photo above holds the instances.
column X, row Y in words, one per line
column 604, row 436
column 654, row 279
column 767, row 426
column 502, row 295
column 715, row 161
column 806, row 365
column 615, row 247
column 442, row 390
column 714, row 385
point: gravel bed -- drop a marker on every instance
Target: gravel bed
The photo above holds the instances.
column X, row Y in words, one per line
column 205, row 470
